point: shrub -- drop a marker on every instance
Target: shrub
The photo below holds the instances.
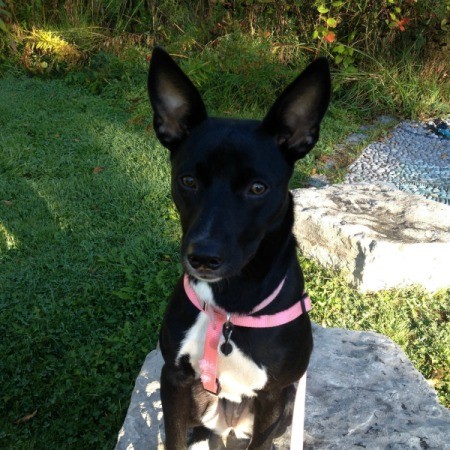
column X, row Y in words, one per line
column 349, row 28
column 5, row 17
column 238, row 69
column 45, row 52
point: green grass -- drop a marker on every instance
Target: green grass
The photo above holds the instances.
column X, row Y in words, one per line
column 89, row 253
column 86, row 262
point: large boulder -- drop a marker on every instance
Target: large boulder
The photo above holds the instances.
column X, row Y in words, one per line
column 379, row 236
column 362, row 392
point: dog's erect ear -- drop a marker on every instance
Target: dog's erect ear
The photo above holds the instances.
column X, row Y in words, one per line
column 177, row 105
column 295, row 117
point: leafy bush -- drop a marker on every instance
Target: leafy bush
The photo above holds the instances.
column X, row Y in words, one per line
column 344, row 28
column 245, row 50
column 349, row 29
column 241, row 70
column 47, row 53
column 5, row 17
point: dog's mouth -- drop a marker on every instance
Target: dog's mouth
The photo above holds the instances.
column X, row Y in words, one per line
column 202, row 274
column 208, row 279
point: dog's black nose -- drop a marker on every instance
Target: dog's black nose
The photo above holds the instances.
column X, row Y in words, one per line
column 204, row 256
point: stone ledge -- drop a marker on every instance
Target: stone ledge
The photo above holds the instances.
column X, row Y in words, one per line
column 362, row 392
column 380, row 237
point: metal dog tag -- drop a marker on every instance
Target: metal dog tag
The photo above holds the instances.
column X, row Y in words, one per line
column 226, row 348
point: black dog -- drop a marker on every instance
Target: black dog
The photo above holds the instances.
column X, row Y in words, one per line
column 230, row 186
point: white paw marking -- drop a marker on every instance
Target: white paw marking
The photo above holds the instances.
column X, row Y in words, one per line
column 203, row 445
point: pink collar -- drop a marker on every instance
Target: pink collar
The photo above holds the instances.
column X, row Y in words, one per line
column 218, row 317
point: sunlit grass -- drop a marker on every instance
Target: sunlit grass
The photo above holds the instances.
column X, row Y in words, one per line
column 7, row 239
column 82, row 291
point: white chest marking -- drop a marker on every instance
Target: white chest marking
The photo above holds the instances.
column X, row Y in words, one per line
column 204, row 292
column 238, row 374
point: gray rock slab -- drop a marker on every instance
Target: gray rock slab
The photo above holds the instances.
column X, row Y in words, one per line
column 143, row 428
column 379, row 236
column 362, row 392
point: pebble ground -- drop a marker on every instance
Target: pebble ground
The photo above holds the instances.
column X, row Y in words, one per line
column 413, row 158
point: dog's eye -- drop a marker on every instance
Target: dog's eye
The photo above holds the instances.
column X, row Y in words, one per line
column 257, row 188
column 189, row 182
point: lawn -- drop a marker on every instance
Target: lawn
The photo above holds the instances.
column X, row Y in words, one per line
column 88, row 255
column 87, row 252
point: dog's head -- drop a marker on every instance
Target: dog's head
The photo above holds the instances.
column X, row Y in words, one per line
column 230, row 177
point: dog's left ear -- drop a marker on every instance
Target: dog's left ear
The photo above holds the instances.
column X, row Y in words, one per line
column 295, row 117
column 177, row 104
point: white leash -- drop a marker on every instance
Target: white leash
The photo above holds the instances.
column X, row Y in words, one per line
column 298, row 419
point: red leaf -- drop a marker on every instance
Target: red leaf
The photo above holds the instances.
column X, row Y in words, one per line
column 330, row 37
column 401, row 24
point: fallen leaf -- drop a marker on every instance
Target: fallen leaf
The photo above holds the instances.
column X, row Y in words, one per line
column 98, row 169
column 401, row 24
column 26, row 418
column 137, row 120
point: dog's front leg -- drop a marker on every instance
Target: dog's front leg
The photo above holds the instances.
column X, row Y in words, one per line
column 269, row 418
column 176, row 402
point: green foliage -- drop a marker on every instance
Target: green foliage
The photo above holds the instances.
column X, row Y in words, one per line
column 245, row 50
column 345, row 28
column 349, row 30
column 5, row 17
column 241, row 70
column 110, row 74
column 45, row 52
column 115, row 14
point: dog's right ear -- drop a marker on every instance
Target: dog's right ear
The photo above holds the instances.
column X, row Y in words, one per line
column 177, row 105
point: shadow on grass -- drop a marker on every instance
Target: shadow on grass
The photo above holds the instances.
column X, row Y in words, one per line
column 88, row 247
